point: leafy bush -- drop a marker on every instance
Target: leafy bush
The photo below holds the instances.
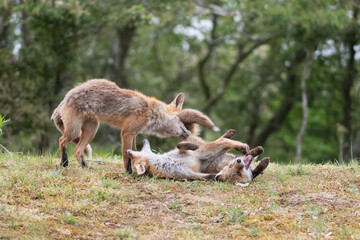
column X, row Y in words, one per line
column 3, row 120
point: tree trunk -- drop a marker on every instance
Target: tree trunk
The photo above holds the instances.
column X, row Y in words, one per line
column 121, row 46
column 4, row 26
column 280, row 115
column 203, row 61
column 349, row 79
column 305, row 75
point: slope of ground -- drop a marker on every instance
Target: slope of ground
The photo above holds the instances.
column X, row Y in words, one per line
column 40, row 201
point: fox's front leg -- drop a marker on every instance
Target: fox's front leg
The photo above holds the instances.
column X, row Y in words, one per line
column 127, row 141
column 134, row 143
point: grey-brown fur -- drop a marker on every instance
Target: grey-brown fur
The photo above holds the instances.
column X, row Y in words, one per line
column 181, row 163
column 185, row 161
column 237, row 169
column 195, row 154
column 84, row 107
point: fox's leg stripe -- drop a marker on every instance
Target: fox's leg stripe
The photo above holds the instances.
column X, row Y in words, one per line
column 64, row 158
column 128, row 169
column 83, row 163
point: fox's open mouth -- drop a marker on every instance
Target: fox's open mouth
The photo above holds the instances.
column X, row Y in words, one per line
column 248, row 159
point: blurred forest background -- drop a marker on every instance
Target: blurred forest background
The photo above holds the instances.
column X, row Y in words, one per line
column 280, row 72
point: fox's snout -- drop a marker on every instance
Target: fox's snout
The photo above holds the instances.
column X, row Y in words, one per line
column 240, row 162
column 184, row 133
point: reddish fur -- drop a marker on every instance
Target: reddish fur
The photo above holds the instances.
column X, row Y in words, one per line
column 191, row 154
column 84, row 107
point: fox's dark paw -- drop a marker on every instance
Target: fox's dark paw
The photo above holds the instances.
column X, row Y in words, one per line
column 244, row 148
column 255, row 151
column 229, row 134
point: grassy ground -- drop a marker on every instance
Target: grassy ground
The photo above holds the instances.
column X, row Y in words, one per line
column 38, row 201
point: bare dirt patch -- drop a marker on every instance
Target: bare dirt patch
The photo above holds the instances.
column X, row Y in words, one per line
column 324, row 199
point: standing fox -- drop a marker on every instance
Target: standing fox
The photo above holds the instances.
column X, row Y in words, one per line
column 78, row 116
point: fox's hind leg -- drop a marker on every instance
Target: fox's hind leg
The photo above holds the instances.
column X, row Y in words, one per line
column 88, row 149
column 89, row 130
column 228, row 144
column 229, row 134
column 62, row 146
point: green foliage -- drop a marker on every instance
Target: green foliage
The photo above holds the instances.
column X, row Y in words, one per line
column 175, row 205
column 126, row 233
column 3, row 120
column 236, row 215
column 68, row 218
column 49, row 46
column 254, row 231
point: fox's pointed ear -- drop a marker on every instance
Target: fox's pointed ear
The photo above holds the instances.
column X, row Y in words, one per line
column 140, row 168
column 146, row 146
column 178, row 101
column 261, row 167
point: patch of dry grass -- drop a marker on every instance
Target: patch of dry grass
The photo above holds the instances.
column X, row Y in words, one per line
column 286, row 202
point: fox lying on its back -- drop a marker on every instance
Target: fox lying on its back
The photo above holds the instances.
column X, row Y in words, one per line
column 195, row 154
column 165, row 165
column 85, row 106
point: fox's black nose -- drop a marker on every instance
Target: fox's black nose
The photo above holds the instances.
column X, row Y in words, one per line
column 238, row 160
column 185, row 134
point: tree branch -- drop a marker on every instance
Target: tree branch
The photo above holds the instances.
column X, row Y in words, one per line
column 201, row 64
column 241, row 56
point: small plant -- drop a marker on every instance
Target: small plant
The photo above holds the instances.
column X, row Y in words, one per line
column 271, row 191
column 314, row 212
column 108, row 183
column 297, row 171
column 175, row 205
column 273, row 205
column 344, row 232
column 3, row 120
column 100, row 196
column 237, row 216
column 320, row 224
column 69, row 218
column 254, row 232
column 126, row 233
column 281, row 177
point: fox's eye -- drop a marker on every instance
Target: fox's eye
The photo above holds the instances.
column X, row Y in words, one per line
column 230, row 166
column 239, row 173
